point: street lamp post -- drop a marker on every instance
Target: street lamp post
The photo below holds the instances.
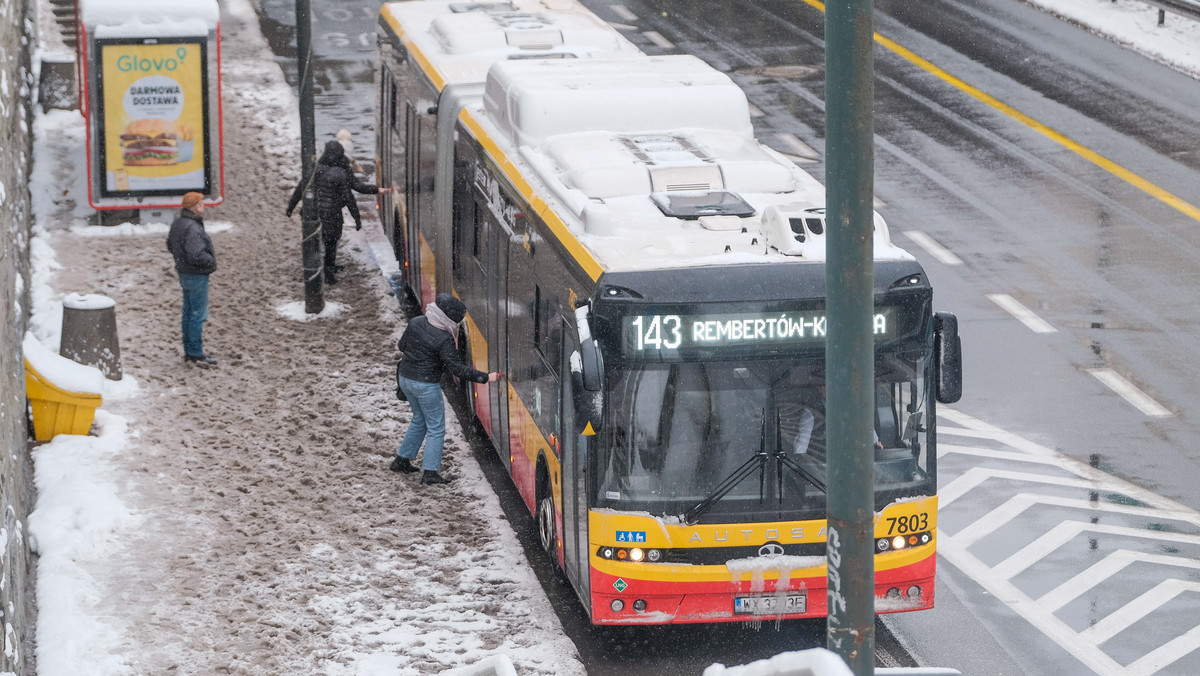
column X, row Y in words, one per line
column 850, row 364
column 314, row 300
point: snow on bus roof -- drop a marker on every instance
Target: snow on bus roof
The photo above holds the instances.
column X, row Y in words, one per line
column 462, row 39
column 137, row 18
column 656, row 167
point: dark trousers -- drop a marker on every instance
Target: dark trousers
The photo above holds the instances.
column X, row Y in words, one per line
column 330, row 234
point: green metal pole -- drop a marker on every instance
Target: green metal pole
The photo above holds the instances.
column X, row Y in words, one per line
column 849, row 361
column 310, row 245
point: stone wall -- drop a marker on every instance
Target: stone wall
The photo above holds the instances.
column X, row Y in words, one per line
column 16, row 487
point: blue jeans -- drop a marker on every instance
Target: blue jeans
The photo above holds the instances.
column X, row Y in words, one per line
column 195, row 311
column 428, row 418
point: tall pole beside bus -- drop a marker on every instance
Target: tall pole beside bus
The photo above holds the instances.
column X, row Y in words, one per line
column 314, row 300
column 849, row 361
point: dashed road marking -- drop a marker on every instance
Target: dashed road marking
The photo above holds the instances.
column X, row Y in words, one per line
column 658, row 39
column 624, row 12
column 1026, row 316
column 1130, row 392
column 799, row 148
column 933, row 248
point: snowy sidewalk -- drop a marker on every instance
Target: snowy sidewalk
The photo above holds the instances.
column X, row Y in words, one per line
column 241, row 520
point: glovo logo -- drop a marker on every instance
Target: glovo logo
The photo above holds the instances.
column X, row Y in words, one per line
column 131, row 63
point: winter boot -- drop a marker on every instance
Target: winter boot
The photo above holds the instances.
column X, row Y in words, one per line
column 402, row 465
column 330, row 279
column 431, row 477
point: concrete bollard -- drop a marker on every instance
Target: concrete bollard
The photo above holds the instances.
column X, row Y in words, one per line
column 57, row 88
column 89, row 333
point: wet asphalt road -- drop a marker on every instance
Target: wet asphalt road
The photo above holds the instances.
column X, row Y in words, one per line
column 1057, row 170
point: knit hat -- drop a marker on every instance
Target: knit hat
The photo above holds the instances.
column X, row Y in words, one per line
column 452, row 306
column 191, row 199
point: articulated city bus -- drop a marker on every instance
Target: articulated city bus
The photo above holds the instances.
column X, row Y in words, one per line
column 652, row 281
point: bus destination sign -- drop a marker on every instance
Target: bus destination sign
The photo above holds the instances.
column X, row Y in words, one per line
column 652, row 334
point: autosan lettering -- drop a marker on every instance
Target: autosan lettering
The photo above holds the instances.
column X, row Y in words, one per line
column 131, row 63
column 751, row 535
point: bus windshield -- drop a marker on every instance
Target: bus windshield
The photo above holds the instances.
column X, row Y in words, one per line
column 710, row 441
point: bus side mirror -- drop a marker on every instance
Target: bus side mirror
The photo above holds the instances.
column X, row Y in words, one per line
column 947, row 353
column 587, row 377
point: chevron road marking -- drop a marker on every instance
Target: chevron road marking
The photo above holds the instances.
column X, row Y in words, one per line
column 1014, row 506
column 1165, row 655
column 1047, row 467
column 1042, row 620
column 1106, row 568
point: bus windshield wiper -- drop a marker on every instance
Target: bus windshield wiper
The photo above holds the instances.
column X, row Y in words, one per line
column 758, row 462
column 785, row 461
column 755, row 463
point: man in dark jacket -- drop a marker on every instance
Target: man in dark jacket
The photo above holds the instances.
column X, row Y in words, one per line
column 430, row 347
column 195, row 260
column 333, row 182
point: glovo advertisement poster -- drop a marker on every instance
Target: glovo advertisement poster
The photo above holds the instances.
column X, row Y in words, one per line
column 153, row 116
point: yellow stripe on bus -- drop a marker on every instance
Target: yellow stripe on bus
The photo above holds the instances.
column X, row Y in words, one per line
column 560, row 230
column 1088, row 154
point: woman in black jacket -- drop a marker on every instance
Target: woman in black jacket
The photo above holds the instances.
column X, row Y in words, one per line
column 430, row 347
column 333, row 182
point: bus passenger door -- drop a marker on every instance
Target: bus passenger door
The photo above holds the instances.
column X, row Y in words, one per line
column 411, row 237
column 574, row 484
column 497, row 237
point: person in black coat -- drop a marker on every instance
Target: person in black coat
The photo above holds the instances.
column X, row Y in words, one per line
column 195, row 260
column 333, row 185
column 430, row 347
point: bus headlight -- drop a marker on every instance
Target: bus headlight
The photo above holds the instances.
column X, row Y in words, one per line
column 654, row 556
column 899, row 542
column 636, row 554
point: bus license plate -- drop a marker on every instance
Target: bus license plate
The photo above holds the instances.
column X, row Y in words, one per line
column 769, row 604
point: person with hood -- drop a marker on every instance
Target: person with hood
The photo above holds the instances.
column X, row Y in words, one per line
column 195, row 260
column 333, row 183
column 430, row 347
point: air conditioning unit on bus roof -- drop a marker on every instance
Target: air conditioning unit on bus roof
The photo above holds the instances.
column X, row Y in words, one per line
column 801, row 230
column 533, row 100
column 481, row 27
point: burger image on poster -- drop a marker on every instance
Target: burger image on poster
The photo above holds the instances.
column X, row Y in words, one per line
column 151, row 138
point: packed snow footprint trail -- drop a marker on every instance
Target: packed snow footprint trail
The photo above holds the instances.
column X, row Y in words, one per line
column 273, row 538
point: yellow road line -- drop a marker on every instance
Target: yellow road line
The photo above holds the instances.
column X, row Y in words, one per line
column 1088, row 154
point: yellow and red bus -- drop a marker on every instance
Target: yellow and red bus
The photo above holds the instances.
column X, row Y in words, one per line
column 652, row 281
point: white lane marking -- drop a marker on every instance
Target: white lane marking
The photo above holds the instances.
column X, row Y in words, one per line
column 1015, row 456
column 658, row 39
column 1131, row 613
column 801, row 148
column 933, row 247
column 974, row 477
column 623, row 12
column 1166, row 654
column 1130, row 392
column 1104, row 569
column 755, row 111
column 1099, row 480
column 1013, row 307
column 1066, row 531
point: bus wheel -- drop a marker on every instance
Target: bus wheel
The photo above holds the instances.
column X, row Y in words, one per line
column 545, row 525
